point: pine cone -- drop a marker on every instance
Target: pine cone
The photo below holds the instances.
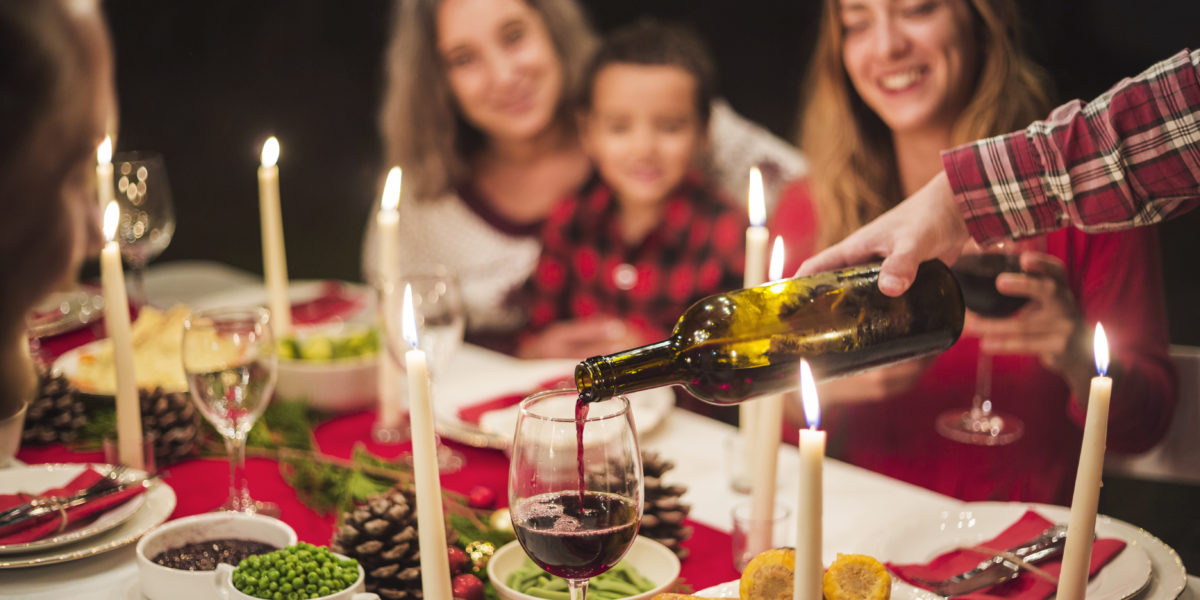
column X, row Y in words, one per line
column 56, row 415
column 663, row 514
column 172, row 422
column 382, row 535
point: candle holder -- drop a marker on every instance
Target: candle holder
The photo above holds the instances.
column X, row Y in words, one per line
column 772, row 534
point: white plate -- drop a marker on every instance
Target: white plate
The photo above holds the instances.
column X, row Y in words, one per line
column 475, row 375
column 159, row 503
column 1146, row 563
column 299, row 291
column 41, row 477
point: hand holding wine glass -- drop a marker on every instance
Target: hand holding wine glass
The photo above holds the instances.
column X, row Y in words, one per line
column 230, row 359
column 575, row 493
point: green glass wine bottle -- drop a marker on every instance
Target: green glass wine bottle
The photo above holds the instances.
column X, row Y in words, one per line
column 734, row 346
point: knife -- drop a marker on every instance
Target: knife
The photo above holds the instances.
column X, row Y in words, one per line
column 72, row 502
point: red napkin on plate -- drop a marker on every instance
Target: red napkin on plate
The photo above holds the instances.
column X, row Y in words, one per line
column 473, row 413
column 49, row 524
column 335, row 301
column 1028, row 586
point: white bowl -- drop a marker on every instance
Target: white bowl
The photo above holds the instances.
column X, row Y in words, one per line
column 653, row 560
column 164, row 583
column 226, row 590
column 340, row 385
column 10, row 436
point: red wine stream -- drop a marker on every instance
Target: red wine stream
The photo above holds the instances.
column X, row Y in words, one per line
column 581, row 413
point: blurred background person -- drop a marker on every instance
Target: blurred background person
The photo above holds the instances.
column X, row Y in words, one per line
column 479, row 112
column 56, row 102
column 891, row 84
column 648, row 235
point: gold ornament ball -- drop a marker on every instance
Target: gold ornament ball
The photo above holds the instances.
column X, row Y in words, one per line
column 501, row 521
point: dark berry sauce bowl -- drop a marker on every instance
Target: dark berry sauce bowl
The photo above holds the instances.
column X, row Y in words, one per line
column 194, row 545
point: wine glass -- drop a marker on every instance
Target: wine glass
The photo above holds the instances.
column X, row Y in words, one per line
column 441, row 322
column 230, row 360
column 147, row 224
column 573, row 522
column 976, row 272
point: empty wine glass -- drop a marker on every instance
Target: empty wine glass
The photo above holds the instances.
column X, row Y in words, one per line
column 441, row 321
column 147, row 224
column 976, row 271
column 575, row 487
column 230, row 360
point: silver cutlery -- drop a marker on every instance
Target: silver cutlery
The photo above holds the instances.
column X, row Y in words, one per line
column 999, row 568
column 63, row 504
column 108, row 481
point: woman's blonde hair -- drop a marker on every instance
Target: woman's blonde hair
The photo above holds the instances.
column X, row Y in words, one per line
column 423, row 130
column 854, row 176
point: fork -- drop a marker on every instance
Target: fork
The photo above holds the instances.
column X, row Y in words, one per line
column 111, row 479
column 999, row 568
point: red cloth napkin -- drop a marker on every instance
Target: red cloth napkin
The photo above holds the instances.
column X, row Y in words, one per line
column 1026, row 587
column 473, row 413
column 335, row 301
column 49, row 524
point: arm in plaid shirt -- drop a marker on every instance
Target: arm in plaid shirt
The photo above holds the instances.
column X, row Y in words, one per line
column 1130, row 157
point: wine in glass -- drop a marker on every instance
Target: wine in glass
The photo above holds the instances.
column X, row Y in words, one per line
column 229, row 358
column 441, row 321
column 977, row 272
column 575, row 526
column 143, row 194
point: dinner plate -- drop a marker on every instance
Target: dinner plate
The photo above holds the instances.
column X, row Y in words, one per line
column 35, row 478
column 299, row 292
column 1146, row 565
column 159, row 503
column 476, row 375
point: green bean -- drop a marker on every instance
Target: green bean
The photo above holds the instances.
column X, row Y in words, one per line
column 621, row 581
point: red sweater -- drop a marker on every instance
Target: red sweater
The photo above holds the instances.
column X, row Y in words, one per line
column 1117, row 280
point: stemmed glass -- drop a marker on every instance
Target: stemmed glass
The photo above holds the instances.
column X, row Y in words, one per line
column 977, row 271
column 575, row 526
column 230, row 360
column 441, row 322
column 143, row 194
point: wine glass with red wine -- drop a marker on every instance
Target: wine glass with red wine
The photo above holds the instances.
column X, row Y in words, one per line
column 977, row 272
column 575, row 484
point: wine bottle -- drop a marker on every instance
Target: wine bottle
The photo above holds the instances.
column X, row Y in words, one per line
column 746, row 343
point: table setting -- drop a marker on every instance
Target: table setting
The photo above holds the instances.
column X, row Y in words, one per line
column 344, row 425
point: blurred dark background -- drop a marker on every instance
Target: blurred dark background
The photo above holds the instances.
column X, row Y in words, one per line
column 206, row 82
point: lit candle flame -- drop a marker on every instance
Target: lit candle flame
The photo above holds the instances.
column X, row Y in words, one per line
column 112, row 214
column 408, row 320
column 775, row 271
column 1101, row 350
column 391, row 190
column 270, row 152
column 104, row 151
column 757, row 206
column 808, row 393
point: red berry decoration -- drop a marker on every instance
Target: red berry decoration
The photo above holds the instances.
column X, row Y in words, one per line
column 467, row 587
column 481, row 497
column 459, row 563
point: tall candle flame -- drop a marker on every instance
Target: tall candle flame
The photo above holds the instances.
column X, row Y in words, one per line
column 391, row 190
column 104, row 151
column 1101, row 350
column 808, row 393
column 112, row 214
column 408, row 321
column 757, row 206
column 775, row 271
column 270, row 152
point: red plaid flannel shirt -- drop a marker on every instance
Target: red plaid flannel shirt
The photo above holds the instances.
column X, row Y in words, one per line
column 586, row 269
column 1130, row 157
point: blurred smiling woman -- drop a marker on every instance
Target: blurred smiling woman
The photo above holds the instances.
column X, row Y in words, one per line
column 892, row 83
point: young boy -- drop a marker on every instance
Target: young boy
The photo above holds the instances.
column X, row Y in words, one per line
column 648, row 236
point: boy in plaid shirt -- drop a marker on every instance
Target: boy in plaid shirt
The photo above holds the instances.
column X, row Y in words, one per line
column 647, row 236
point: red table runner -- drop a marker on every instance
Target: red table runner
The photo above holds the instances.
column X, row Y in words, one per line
column 201, row 485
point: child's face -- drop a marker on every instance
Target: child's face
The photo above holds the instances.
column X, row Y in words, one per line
column 643, row 129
